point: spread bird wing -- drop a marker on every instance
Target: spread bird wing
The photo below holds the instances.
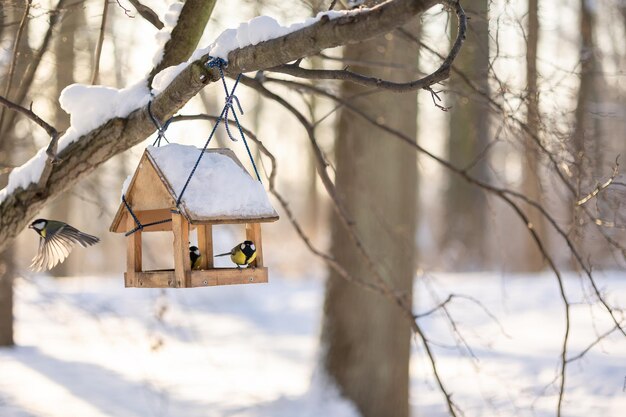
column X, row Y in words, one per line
column 56, row 247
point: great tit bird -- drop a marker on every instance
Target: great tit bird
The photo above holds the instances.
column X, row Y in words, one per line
column 242, row 254
column 56, row 240
column 194, row 255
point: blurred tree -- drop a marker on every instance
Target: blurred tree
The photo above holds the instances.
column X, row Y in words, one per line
column 533, row 260
column 466, row 209
column 10, row 12
column 377, row 180
column 586, row 142
column 64, row 49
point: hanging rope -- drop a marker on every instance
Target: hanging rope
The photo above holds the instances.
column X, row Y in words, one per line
column 139, row 225
column 219, row 63
column 160, row 128
column 230, row 98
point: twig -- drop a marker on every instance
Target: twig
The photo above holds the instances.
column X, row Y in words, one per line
column 126, row 11
column 602, row 186
column 435, row 96
column 436, row 308
column 332, row 4
column 96, row 61
column 595, row 342
column 30, row 114
column 148, row 14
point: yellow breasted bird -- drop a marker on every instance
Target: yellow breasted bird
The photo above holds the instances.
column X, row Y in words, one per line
column 56, row 240
column 242, row 254
column 195, row 256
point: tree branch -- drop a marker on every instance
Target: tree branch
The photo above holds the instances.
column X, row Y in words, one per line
column 54, row 137
column 147, row 13
column 185, row 36
column 442, row 73
column 31, row 115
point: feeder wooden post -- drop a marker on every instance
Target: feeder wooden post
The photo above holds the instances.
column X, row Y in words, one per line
column 133, row 254
column 182, row 263
column 253, row 233
column 205, row 244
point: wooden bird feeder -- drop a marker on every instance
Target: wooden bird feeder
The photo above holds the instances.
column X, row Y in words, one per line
column 152, row 195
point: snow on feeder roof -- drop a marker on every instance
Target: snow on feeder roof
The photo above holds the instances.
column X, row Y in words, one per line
column 220, row 190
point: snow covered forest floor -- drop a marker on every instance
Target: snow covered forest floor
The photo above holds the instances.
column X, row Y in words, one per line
column 89, row 348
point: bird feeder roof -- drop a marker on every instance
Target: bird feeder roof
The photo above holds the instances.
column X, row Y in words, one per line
column 220, row 190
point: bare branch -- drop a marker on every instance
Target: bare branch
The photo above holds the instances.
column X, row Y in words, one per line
column 442, row 73
column 147, row 13
column 126, row 11
column 594, row 343
column 30, row 114
column 54, row 136
column 602, row 186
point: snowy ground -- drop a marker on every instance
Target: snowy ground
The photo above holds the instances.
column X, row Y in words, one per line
column 89, row 348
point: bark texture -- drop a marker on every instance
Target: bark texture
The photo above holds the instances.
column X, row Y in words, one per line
column 366, row 337
column 185, row 36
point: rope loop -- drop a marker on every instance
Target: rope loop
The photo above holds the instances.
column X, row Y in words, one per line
column 139, row 225
column 160, row 128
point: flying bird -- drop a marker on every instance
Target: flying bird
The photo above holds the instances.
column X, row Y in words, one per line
column 56, row 240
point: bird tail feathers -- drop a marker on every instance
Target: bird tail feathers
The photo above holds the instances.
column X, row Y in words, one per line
column 83, row 239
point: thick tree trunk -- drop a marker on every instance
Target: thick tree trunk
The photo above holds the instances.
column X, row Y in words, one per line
column 533, row 260
column 7, row 147
column 466, row 210
column 365, row 337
